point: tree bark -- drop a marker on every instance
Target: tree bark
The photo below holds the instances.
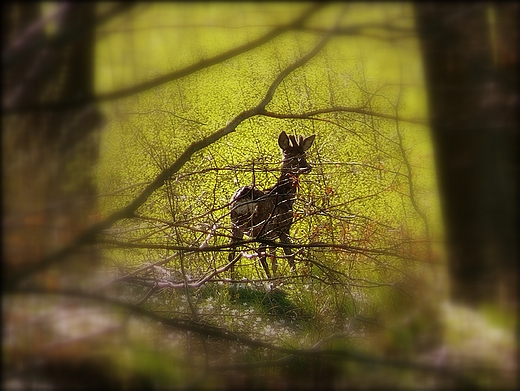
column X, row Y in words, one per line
column 48, row 156
column 469, row 55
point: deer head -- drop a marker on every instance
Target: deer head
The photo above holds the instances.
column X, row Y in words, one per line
column 293, row 151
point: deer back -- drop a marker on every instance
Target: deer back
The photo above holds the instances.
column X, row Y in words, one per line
column 261, row 214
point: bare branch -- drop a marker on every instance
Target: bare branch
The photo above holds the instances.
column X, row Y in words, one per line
column 168, row 77
column 225, row 247
column 388, row 32
column 336, row 109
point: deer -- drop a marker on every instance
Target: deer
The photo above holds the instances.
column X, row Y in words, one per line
column 268, row 214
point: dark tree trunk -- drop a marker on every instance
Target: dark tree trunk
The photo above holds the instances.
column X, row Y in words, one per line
column 471, row 64
column 48, row 155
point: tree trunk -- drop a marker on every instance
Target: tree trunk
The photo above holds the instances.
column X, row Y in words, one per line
column 469, row 54
column 48, row 155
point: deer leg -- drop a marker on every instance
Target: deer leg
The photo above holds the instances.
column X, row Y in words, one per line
column 261, row 254
column 237, row 236
column 285, row 239
column 274, row 262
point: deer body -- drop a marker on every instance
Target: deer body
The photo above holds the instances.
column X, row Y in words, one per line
column 267, row 214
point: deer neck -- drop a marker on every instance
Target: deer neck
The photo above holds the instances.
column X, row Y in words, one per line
column 287, row 184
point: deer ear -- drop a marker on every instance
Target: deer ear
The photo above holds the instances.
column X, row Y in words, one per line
column 307, row 142
column 283, row 140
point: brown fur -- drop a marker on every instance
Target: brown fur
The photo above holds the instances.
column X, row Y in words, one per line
column 268, row 214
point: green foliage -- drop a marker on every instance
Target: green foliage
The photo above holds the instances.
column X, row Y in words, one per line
column 274, row 303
